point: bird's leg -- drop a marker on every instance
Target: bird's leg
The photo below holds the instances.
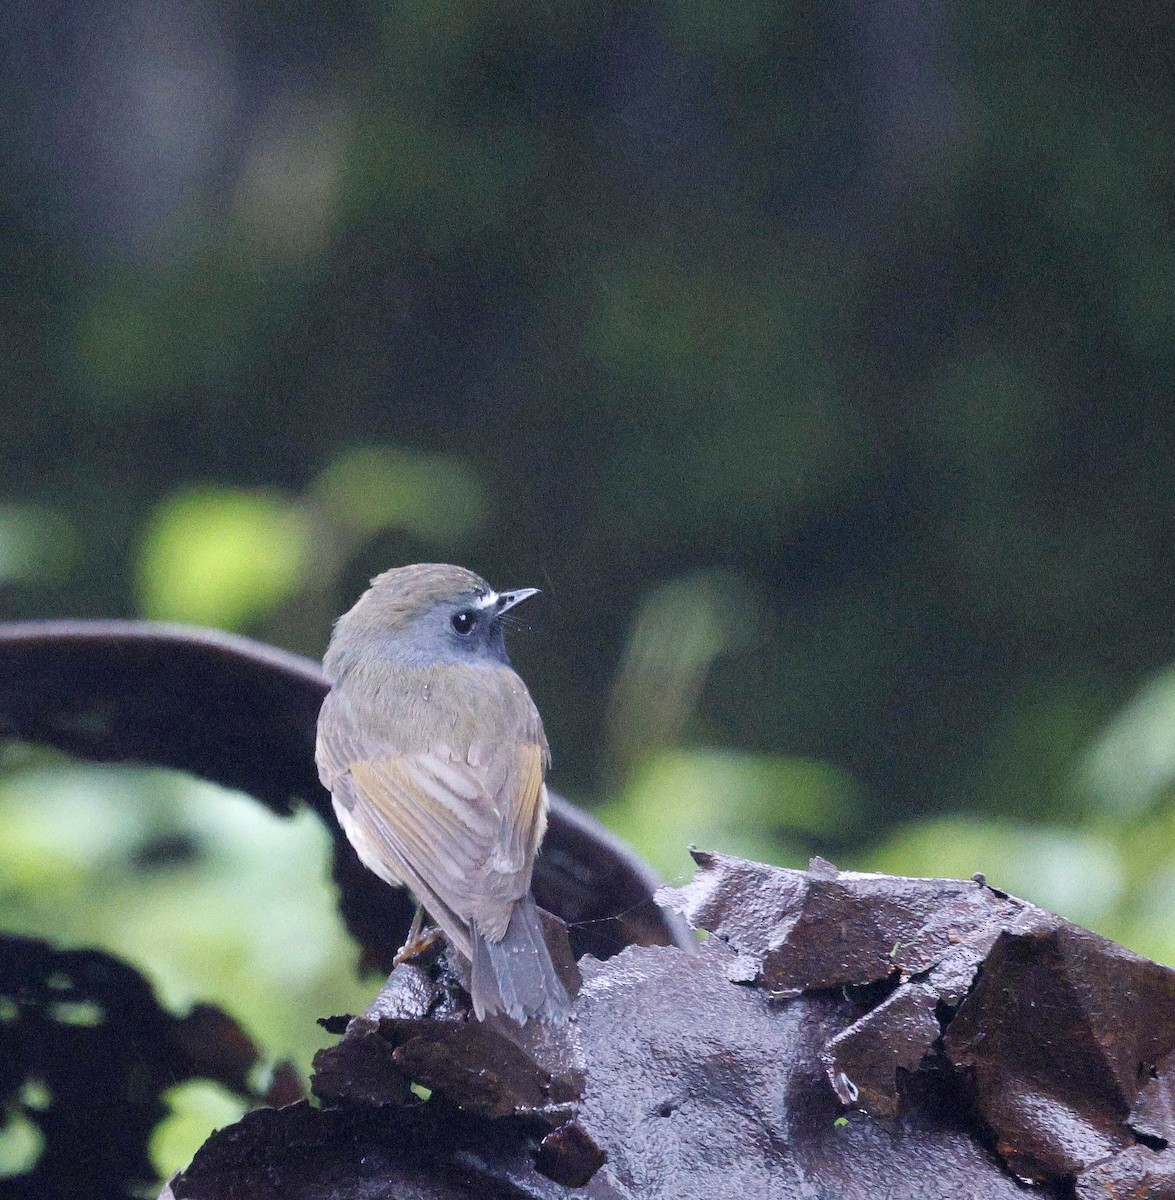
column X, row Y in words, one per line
column 414, row 928
column 416, row 943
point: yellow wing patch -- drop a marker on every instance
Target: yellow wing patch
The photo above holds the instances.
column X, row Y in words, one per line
column 468, row 832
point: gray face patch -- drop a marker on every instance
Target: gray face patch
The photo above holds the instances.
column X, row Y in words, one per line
column 465, row 630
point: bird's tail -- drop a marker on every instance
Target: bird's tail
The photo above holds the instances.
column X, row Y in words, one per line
column 516, row 975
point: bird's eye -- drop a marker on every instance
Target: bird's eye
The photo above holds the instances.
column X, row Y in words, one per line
column 464, row 621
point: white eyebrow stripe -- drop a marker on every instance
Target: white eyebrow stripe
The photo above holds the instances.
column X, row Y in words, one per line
column 486, row 601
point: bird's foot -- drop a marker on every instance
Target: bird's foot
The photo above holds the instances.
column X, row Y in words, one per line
column 419, row 943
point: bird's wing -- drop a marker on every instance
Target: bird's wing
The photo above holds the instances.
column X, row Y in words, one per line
column 462, row 831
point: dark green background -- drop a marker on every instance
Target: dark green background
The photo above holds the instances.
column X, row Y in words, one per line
column 816, row 360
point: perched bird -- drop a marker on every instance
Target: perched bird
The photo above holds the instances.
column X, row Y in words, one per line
column 434, row 755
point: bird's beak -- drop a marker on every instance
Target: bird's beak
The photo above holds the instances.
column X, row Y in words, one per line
column 507, row 600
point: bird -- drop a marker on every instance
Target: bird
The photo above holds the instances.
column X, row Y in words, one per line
column 435, row 757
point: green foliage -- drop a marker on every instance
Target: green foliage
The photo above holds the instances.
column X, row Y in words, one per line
column 20, row 1145
column 760, row 806
column 197, row 1108
column 241, row 914
column 215, row 556
column 1076, row 872
column 438, row 500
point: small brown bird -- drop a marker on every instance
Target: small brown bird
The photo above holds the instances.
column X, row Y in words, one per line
column 434, row 755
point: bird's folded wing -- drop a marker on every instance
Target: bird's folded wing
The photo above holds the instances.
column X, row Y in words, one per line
column 466, row 827
column 341, row 740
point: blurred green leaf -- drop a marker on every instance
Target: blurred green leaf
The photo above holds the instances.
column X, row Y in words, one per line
column 1146, row 926
column 1077, row 873
column 218, row 556
column 1132, row 762
column 21, row 1143
column 60, row 824
column 247, row 920
column 436, row 498
column 754, row 805
column 197, row 1108
column 681, row 628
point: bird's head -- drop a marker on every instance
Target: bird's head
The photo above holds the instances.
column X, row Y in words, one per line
column 425, row 614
